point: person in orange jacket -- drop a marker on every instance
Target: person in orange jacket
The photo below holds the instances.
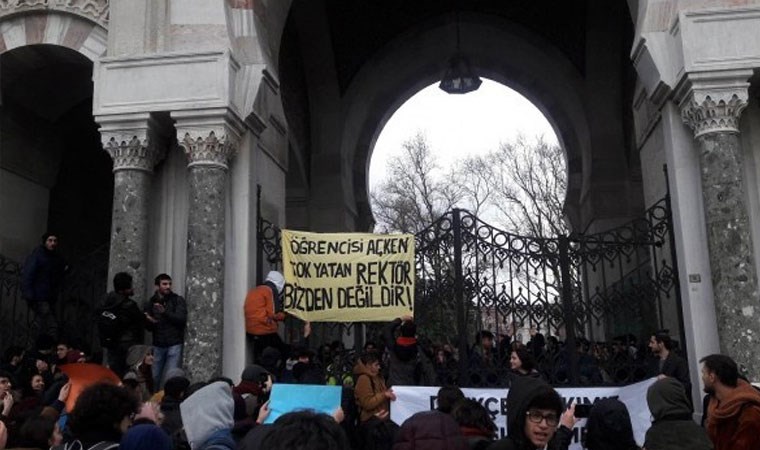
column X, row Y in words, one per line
column 261, row 316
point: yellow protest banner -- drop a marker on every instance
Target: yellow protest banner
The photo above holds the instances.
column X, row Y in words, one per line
column 348, row 277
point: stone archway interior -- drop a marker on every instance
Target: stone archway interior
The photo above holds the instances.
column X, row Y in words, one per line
column 54, row 174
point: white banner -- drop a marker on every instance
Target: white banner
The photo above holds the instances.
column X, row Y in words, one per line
column 413, row 399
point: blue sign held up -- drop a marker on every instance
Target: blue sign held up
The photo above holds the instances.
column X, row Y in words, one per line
column 286, row 398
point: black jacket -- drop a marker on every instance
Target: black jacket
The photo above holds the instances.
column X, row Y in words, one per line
column 43, row 275
column 676, row 367
column 170, row 328
column 430, row 430
column 521, row 394
column 134, row 320
column 408, row 365
column 609, row 427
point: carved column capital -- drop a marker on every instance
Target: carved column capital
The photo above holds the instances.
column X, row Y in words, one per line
column 208, row 138
column 713, row 103
column 208, row 147
column 129, row 153
column 134, row 143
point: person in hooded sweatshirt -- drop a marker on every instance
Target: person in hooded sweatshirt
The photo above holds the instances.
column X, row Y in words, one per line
column 535, row 418
column 263, row 312
column 207, row 415
column 609, row 427
column 672, row 427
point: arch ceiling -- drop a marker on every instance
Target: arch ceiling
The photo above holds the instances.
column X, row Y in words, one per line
column 339, row 91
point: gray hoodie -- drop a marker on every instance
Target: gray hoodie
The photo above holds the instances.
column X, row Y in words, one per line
column 673, row 427
column 207, row 411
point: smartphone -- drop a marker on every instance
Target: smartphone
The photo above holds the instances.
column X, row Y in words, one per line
column 582, row 411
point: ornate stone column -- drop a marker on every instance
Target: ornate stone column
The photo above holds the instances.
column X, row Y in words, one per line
column 210, row 141
column 130, row 144
column 712, row 108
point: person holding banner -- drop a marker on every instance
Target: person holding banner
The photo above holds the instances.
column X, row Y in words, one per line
column 262, row 315
column 408, row 365
column 667, row 363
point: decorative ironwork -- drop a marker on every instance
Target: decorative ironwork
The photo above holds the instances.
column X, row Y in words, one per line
column 269, row 243
column 594, row 299
column 14, row 315
column 583, row 306
column 84, row 286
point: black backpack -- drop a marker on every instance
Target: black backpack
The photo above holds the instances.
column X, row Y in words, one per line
column 111, row 325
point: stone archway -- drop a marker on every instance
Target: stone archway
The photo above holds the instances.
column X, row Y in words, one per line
column 54, row 174
column 507, row 54
column 344, row 73
column 79, row 29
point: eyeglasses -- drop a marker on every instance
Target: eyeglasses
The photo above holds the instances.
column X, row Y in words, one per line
column 536, row 417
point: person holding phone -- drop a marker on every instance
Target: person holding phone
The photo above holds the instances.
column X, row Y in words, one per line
column 166, row 317
column 536, row 418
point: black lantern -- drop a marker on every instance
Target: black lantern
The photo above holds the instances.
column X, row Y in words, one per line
column 459, row 77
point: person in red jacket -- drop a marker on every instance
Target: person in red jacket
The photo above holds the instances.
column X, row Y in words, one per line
column 262, row 317
column 733, row 414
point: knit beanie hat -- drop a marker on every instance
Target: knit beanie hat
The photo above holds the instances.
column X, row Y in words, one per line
column 277, row 279
column 136, row 354
column 254, row 373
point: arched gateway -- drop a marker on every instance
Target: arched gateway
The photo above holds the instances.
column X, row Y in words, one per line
column 53, row 172
column 202, row 102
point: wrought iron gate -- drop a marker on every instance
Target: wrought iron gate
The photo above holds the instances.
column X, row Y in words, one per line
column 583, row 306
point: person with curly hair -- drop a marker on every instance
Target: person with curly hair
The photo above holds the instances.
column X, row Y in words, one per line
column 101, row 415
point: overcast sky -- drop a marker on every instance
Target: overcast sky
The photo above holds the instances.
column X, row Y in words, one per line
column 458, row 125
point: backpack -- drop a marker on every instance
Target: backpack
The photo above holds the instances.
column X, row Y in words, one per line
column 111, row 325
column 76, row 445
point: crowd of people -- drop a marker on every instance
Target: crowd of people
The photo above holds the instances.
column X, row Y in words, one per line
column 156, row 406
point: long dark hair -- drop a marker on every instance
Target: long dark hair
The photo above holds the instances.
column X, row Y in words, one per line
column 526, row 358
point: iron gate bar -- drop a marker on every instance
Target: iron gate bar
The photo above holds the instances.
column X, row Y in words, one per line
column 459, row 294
column 567, row 303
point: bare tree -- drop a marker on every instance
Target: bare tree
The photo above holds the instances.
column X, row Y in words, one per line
column 520, row 188
column 414, row 193
column 526, row 185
